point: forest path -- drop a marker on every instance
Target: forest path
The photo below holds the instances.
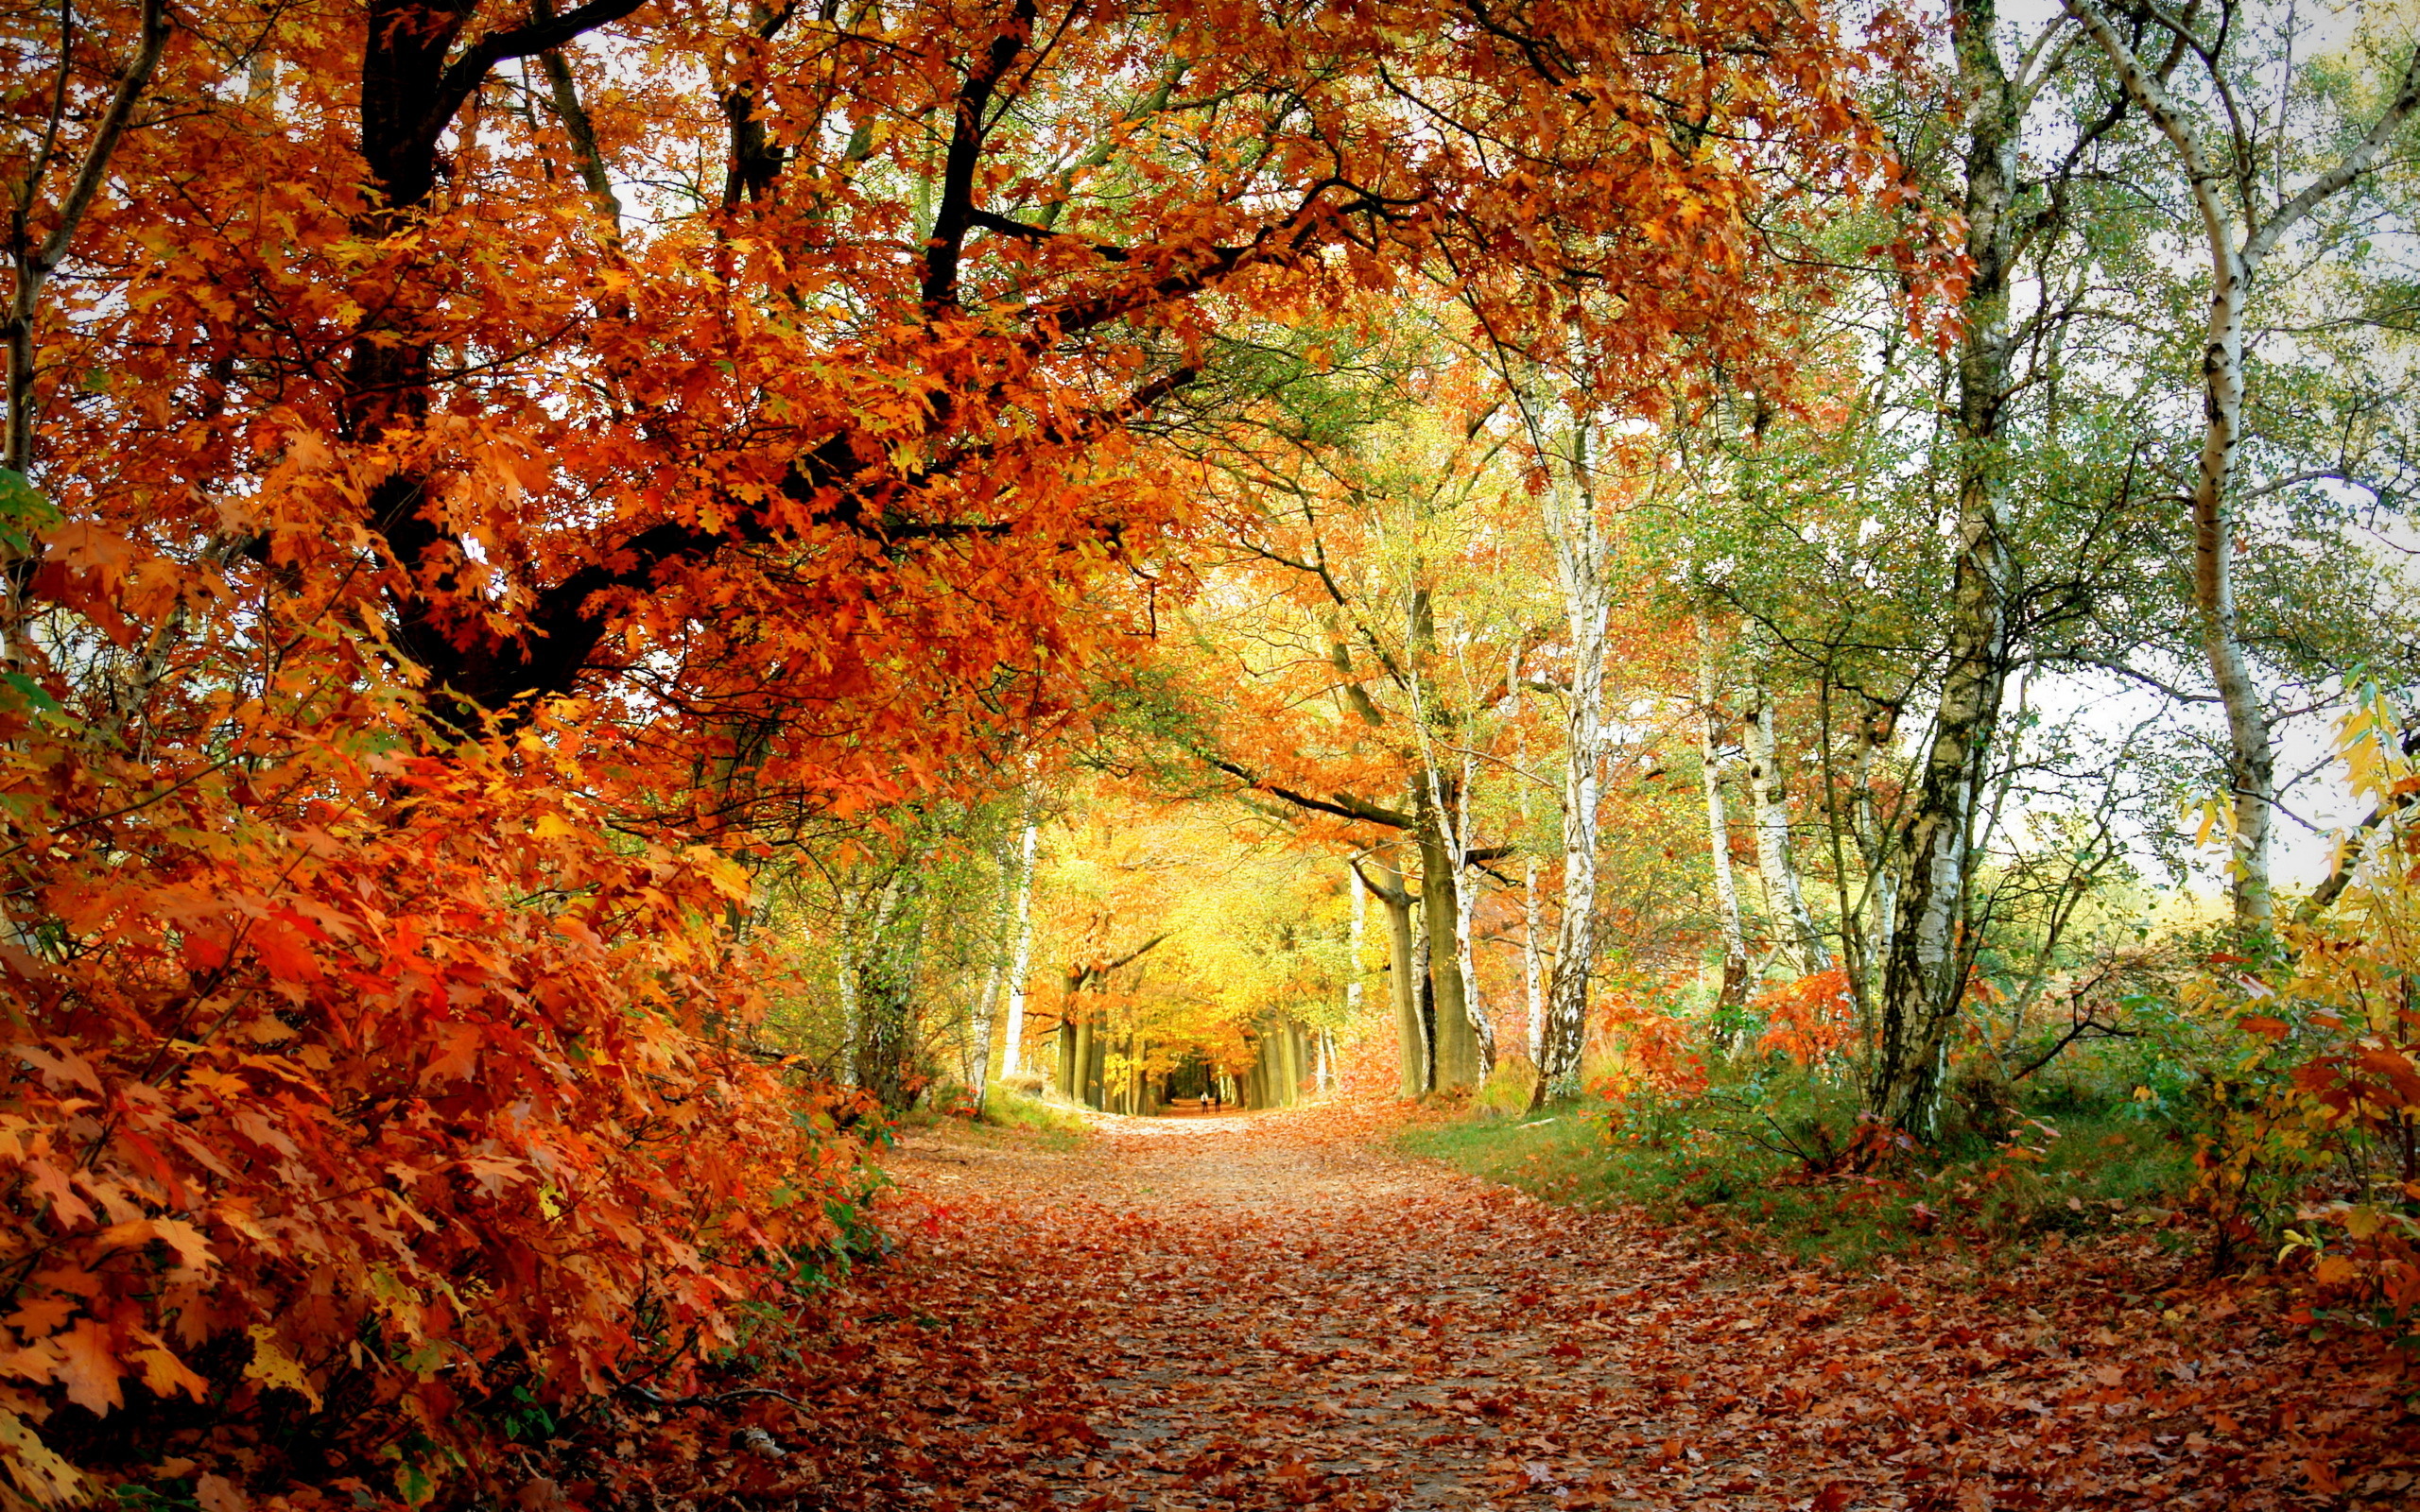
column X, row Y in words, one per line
column 1270, row 1311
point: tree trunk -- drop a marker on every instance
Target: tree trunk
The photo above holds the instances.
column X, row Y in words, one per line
column 1873, row 738
column 979, row 1062
column 1457, row 1060
column 1411, row 1042
column 1465, row 903
column 1353, row 949
column 844, row 981
column 1777, row 863
column 1095, row 1048
column 1924, row 975
column 886, row 984
column 1718, row 826
column 1021, row 960
column 1587, row 600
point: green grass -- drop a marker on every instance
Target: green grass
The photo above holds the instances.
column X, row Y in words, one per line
column 1052, row 1126
column 1760, row 1163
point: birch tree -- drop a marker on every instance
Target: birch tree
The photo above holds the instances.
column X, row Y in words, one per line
column 2233, row 171
column 1717, row 824
column 1569, row 515
column 1923, row 972
column 1775, row 861
column 1021, row 956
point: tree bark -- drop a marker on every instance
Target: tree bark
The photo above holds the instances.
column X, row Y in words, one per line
column 1587, row 598
column 1353, row 949
column 1457, row 1058
column 1925, row 973
column 1411, row 1043
column 1021, row 958
column 1091, row 1053
column 1466, row 903
column 844, row 980
column 886, row 984
column 1718, row 826
column 1775, row 859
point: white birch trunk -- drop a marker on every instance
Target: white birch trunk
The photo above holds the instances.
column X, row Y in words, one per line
column 1717, row 824
column 1587, row 597
column 1466, row 891
column 1533, row 981
column 1021, row 960
column 1532, row 978
column 1873, row 849
column 1775, row 861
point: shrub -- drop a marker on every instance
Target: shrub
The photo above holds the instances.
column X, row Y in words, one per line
column 370, row 1130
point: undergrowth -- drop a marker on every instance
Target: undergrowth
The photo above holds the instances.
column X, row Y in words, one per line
column 1053, row 1125
column 1767, row 1159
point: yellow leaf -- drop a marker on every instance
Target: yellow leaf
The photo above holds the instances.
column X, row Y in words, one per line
column 36, row 1468
column 273, row 1367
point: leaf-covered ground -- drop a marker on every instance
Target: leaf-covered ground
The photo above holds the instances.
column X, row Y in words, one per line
column 1270, row 1311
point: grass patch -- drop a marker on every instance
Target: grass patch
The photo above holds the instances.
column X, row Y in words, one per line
column 1052, row 1126
column 1768, row 1164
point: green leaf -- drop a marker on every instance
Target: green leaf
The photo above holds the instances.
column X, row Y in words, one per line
column 26, row 690
column 24, row 512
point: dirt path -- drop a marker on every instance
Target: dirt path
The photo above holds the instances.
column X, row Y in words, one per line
column 1266, row 1312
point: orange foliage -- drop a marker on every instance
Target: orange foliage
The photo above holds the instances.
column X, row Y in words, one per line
column 360, row 1111
column 1809, row 1020
column 1652, row 1047
column 417, row 556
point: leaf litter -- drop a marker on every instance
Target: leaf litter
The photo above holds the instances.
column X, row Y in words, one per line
column 1274, row 1310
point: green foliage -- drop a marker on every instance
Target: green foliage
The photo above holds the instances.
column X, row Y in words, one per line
column 1507, row 1088
column 1005, row 1107
column 24, row 514
column 1775, row 1159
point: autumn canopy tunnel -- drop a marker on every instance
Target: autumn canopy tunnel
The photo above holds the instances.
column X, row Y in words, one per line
column 689, row 689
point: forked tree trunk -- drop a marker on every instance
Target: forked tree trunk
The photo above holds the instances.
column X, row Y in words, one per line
column 1458, row 1054
column 1453, row 1035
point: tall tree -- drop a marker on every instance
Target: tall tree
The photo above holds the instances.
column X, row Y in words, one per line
column 2236, row 173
